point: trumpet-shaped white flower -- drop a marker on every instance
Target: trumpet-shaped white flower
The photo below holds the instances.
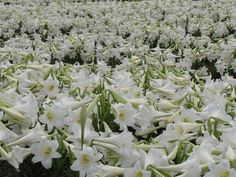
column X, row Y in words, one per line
column 221, row 170
column 19, row 154
column 144, row 118
column 124, row 115
column 203, row 153
column 53, row 116
column 229, row 138
column 50, row 87
column 122, row 79
column 29, row 136
column 86, row 161
column 156, row 157
column 124, row 149
column 44, row 151
column 89, row 134
column 107, row 171
column 6, row 134
column 191, row 168
column 136, row 171
column 187, row 115
column 28, row 106
column 73, row 118
column 115, row 139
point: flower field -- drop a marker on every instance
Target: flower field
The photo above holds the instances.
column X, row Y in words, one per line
column 118, row 89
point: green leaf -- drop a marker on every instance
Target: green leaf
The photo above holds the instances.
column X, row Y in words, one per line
column 83, row 117
column 46, row 75
column 92, row 105
column 118, row 98
column 5, row 103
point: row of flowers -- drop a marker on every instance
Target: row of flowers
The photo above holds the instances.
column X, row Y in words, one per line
column 188, row 34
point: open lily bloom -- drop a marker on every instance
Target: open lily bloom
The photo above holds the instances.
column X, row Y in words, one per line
column 86, row 161
column 221, row 169
column 44, row 152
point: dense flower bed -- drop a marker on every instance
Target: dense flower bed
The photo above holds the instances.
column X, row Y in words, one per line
column 189, row 34
column 119, row 89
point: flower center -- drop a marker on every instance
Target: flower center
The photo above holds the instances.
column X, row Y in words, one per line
column 50, row 116
column 138, row 94
column 138, row 174
column 224, row 173
column 122, row 116
column 51, row 88
column 186, row 119
column 85, row 159
column 47, row 151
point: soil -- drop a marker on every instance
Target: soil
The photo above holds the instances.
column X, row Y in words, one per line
column 6, row 170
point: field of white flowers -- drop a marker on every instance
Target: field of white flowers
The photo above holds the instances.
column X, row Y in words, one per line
column 118, row 89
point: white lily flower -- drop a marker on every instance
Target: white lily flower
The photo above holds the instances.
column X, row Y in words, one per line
column 136, row 171
column 44, row 151
column 53, row 116
column 50, row 87
column 155, row 157
column 108, row 171
column 221, row 170
column 124, row 115
column 86, row 161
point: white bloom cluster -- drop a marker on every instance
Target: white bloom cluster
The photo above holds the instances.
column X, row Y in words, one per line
column 119, row 88
column 132, row 120
column 188, row 34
